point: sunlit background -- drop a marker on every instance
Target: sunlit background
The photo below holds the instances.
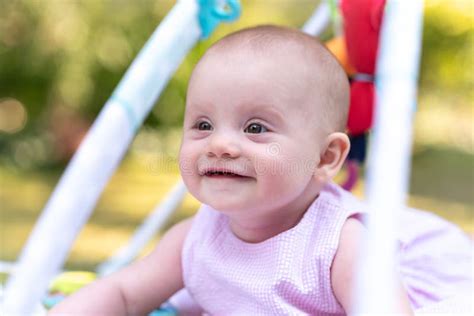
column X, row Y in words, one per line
column 61, row 59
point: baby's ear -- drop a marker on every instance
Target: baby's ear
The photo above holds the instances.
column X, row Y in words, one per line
column 333, row 156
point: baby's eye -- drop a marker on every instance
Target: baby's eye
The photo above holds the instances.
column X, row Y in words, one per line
column 255, row 128
column 204, row 126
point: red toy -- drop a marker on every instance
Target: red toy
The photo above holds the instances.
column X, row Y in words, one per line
column 362, row 21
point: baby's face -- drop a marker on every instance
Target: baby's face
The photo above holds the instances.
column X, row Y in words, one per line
column 250, row 139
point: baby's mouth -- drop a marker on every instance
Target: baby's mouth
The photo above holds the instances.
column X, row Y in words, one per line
column 220, row 174
column 223, row 174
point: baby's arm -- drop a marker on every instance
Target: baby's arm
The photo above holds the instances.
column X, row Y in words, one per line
column 342, row 270
column 138, row 288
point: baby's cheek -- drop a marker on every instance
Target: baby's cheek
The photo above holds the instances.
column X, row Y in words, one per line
column 188, row 165
column 275, row 172
column 190, row 177
column 185, row 165
column 287, row 174
column 187, row 155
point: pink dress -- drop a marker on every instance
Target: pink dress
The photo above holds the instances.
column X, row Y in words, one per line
column 289, row 274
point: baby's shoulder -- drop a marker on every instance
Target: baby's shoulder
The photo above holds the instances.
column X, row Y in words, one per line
column 335, row 206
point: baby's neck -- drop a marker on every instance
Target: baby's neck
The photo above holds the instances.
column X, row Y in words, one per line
column 259, row 228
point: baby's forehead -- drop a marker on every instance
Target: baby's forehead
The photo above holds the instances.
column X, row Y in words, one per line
column 289, row 70
column 292, row 59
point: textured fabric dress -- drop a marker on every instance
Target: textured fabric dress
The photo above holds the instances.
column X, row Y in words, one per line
column 289, row 274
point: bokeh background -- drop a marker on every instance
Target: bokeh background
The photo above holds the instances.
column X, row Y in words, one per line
column 61, row 59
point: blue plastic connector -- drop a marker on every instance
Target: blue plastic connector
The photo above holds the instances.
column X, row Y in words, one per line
column 212, row 12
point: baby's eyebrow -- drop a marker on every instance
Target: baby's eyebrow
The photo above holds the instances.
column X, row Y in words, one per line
column 199, row 109
column 266, row 110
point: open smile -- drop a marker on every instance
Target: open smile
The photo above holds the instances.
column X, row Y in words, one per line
column 220, row 174
column 223, row 174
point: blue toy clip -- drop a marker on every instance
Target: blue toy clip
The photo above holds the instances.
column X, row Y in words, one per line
column 212, row 12
column 164, row 310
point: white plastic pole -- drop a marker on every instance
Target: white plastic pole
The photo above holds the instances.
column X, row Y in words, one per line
column 7, row 267
column 318, row 21
column 390, row 151
column 98, row 156
column 154, row 222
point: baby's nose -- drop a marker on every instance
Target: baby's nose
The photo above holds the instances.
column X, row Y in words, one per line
column 223, row 146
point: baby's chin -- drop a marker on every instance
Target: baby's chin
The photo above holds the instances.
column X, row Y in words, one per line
column 226, row 200
column 226, row 205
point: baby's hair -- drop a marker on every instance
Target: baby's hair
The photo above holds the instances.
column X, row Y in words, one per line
column 325, row 71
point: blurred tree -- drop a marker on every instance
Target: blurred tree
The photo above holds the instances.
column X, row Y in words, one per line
column 62, row 59
column 447, row 56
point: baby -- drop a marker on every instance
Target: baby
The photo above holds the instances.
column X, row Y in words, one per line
column 263, row 136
